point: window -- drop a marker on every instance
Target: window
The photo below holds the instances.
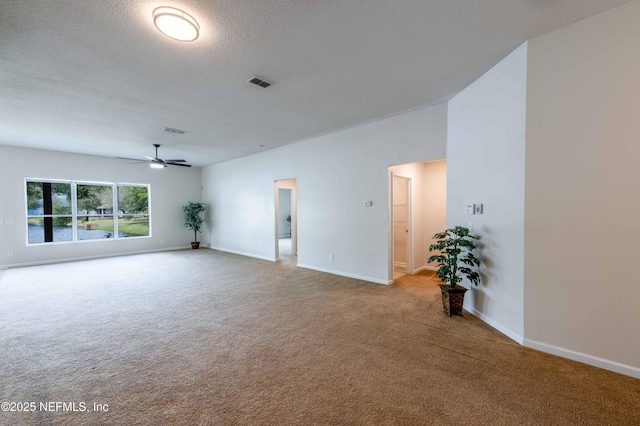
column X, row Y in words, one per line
column 133, row 211
column 63, row 211
column 95, row 211
column 49, row 216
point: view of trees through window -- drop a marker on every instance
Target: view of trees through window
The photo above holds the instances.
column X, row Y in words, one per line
column 49, row 208
column 76, row 211
column 95, row 211
column 133, row 210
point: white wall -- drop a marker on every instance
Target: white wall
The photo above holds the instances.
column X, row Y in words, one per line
column 435, row 204
column 485, row 164
column 582, row 295
column 170, row 189
column 336, row 174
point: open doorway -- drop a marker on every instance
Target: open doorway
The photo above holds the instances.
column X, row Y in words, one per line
column 417, row 195
column 286, row 235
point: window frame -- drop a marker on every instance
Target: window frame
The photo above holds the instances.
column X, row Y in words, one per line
column 74, row 210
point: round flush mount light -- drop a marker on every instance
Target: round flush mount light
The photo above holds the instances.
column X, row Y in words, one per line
column 176, row 24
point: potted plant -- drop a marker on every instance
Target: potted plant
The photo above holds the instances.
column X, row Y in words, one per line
column 193, row 219
column 456, row 246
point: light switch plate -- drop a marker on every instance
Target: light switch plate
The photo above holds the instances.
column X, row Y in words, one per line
column 469, row 209
column 479, row 208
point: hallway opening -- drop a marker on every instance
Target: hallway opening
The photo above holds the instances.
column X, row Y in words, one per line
column 286, row 232
column 417, row 210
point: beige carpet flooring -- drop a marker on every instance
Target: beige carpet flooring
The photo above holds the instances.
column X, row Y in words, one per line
column 199, row 337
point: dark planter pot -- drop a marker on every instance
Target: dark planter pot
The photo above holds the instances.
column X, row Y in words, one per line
column 452, row 299
column 195, row 245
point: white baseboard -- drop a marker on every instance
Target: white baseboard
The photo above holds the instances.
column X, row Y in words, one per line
column 495, row 324
column 606, row 364
column 595, row 361
column 420, row 269
column 345, row 274
column 100, row 256
column 241, row 253
column 401, row 264
column 425, row 268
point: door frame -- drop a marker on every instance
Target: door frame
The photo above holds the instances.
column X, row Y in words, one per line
column 409, row 232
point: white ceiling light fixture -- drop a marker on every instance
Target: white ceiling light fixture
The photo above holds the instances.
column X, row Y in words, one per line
column 157, row 165
column 175, row 23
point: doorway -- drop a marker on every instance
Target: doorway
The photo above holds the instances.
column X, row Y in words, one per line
column 286, row 222
column 418, row 190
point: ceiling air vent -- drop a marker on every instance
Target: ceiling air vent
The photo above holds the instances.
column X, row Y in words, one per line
column 172, row 130
column 259, row 82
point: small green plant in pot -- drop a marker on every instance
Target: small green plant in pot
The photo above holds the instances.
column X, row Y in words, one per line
column 193, row 219
column 456, row 246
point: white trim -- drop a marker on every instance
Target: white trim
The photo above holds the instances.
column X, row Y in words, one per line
column 595, row 361
column 409, row 189
column 390, row 245
column 345, row 274
column 424, row 268
column 401, row 264
column 495, row 324
column 100, row 256
column 241, row 253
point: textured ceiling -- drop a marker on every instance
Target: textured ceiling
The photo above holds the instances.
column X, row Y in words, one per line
column 96, row 77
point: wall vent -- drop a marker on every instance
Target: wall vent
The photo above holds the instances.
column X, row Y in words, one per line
column 259, row 82
column 172, row 130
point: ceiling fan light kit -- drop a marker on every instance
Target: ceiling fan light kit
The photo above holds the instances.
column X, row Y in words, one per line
column 176, row 24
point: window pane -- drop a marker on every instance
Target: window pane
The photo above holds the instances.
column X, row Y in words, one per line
column 57, row 200
column 133, row 226
column 133, row 200
column 95, row 200
column 95, row 227
column 61, row 229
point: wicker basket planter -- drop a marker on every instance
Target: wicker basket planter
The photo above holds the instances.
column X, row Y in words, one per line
column 452, row 299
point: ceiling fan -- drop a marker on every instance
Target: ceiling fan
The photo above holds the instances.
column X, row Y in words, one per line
column 158, row 163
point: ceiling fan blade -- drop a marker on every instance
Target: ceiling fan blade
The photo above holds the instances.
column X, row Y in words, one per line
column 175, row 161
column 151, row 158
column 132, row 159
column 178, row 164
